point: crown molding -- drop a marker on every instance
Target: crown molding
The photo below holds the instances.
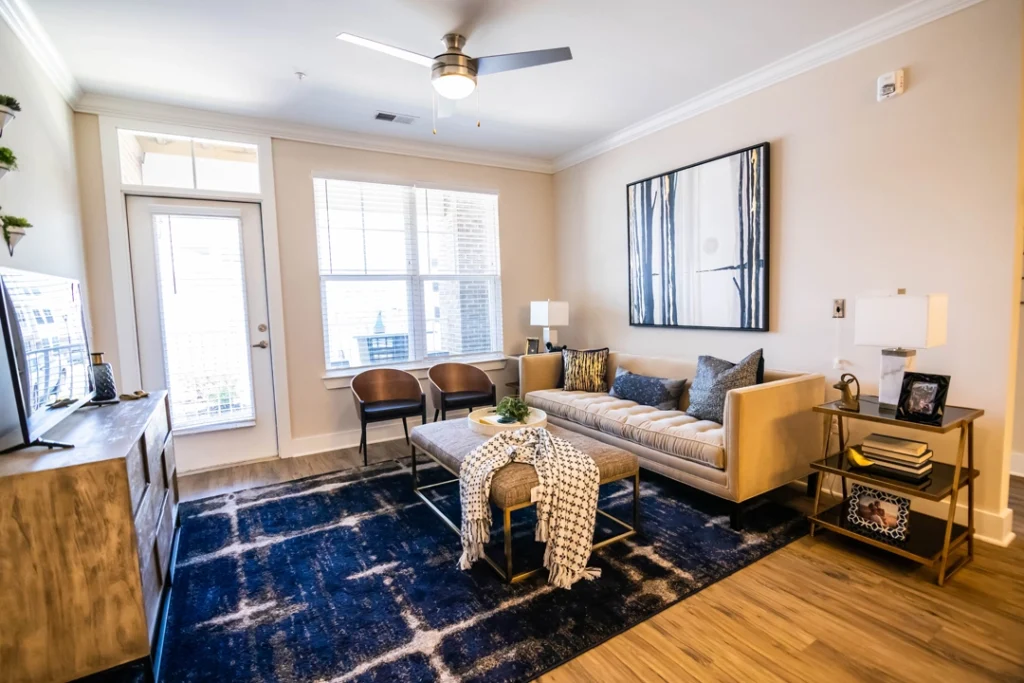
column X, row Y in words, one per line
column 245, row 125
column 26, row 27
column 881, row 28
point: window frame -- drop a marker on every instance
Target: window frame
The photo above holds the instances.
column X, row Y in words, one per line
column 338, row 377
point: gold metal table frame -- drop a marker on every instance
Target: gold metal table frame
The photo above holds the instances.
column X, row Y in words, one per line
column 506, row 572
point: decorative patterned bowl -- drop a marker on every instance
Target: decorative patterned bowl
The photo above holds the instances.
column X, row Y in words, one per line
column 486, row 421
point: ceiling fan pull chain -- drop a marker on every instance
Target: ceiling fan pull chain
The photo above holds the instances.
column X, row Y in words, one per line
column 433, row 111
column 478, row 107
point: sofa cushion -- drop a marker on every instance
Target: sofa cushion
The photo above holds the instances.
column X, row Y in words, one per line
column 657, row 392
column 715, row 378
column 585, row 370
column 670, row 431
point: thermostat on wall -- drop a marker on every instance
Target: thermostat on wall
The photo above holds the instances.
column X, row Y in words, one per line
column 890, row 85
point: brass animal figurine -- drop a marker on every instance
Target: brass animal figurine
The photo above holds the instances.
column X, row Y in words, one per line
column 848, row 400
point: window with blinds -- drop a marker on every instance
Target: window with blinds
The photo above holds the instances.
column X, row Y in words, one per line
column 406, row 273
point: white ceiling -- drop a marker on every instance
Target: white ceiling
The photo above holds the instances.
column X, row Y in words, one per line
column 631, row 59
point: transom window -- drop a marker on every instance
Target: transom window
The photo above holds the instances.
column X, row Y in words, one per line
column 158, row 160
column 406, row 273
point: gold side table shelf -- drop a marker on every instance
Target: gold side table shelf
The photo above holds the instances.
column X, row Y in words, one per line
column 930, row 540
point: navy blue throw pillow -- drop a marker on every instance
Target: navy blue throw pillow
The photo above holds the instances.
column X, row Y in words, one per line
column 657, row 392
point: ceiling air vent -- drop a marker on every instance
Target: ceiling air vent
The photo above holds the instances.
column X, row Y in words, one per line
column 394, row 118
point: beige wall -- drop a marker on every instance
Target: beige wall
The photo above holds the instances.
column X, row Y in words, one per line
column 44, row 191
column 525, row 217
column 97, row 246
column 915, row 192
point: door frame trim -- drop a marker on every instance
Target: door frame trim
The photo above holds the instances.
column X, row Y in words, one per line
column 127, row 357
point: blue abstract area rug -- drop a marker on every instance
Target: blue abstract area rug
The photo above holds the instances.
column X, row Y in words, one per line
column 351, row 577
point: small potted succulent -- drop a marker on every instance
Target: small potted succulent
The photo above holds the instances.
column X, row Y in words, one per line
column 512, row 409
column 14, row 230
column 8, row 108
column 8, row 162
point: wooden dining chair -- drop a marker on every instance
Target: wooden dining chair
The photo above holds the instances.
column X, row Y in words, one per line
column 456, row 385
column 387, row 394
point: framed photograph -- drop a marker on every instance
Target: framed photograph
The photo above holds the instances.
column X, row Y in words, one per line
column 532, row 345
column 698, row 244
column 881, row 512
column 923, row 398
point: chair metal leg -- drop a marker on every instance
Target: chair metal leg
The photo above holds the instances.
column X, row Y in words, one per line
column 366, row 455
column 436, row 413
column 405, row 428
column 444, row 413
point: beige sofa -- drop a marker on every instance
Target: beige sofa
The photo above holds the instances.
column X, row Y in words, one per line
column 768, row 439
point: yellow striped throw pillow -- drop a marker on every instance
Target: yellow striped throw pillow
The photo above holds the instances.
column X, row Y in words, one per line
column 585, row 370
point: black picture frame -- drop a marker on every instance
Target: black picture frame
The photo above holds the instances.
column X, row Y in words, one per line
column 923, row 398
column 759, row 319
column 890, row 507
column 532, row 346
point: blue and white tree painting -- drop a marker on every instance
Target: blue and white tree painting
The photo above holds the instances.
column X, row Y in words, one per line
column 698, row 245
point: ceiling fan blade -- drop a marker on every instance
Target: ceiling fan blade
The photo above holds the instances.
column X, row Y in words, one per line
column 414, row 57
column 445, row 107
column 521, row 60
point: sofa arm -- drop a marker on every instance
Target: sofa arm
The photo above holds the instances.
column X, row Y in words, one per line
column 539, row 371
column 771, row 434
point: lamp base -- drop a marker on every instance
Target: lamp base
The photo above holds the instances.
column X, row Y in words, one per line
column 550, row 336
column 895, row 362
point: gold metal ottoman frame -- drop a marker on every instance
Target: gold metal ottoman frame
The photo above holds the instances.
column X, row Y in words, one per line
column 506, row 573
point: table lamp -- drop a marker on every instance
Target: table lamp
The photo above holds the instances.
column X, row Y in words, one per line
column 549, row 314
column 900, row 324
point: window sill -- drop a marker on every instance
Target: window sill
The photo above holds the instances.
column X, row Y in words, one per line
column 342, row 379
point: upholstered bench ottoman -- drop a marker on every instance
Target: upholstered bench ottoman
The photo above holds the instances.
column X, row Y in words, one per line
column 448, row 443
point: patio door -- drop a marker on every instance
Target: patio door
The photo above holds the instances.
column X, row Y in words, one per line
column 201, row 312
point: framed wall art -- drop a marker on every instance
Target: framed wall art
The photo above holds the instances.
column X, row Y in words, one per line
column 698, row 244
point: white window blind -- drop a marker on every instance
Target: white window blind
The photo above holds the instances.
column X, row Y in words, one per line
column 406, row 273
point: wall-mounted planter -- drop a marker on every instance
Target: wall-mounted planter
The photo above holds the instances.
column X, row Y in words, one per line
column 6, row 116
column 3, row 171
column 12, row 236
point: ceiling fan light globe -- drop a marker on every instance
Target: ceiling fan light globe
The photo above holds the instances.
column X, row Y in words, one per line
column 454, row 86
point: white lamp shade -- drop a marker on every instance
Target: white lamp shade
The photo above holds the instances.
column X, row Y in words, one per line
column 901, row 321
column 549, row 313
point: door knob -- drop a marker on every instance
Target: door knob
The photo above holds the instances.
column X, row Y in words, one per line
column 262, row 345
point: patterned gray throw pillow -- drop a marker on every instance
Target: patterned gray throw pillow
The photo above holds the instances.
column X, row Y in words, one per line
column 657, row 392
column 715, row 377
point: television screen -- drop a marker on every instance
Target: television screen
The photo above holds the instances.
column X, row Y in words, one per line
column 47, row 349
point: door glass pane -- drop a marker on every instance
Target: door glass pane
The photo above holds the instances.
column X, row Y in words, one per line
column 366, row 322
column 201, row 286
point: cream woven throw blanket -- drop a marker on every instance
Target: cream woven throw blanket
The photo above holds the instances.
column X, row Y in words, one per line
column 566, row 499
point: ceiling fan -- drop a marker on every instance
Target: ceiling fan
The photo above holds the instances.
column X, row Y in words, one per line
column 453, row 73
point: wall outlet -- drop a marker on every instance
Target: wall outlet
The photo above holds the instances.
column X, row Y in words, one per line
column 838, row 308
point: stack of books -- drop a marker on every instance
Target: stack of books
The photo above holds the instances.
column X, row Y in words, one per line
column 898, row 458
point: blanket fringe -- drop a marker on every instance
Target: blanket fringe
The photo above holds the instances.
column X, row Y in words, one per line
column 478, row 532
column 563, row 577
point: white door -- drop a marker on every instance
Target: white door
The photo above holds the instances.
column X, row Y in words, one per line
column 201, row 312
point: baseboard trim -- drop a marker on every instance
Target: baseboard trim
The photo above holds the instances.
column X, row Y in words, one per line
column 349, row 438
column 1017, row 463
column 995, row 528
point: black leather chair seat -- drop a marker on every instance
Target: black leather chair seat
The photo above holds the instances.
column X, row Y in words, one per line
column 388, row 410
column 466, row 399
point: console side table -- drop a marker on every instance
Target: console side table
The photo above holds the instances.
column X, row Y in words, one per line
column 930, row 540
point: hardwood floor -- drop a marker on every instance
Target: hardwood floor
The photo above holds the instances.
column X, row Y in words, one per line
column 215, row 482
column 820, row 609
